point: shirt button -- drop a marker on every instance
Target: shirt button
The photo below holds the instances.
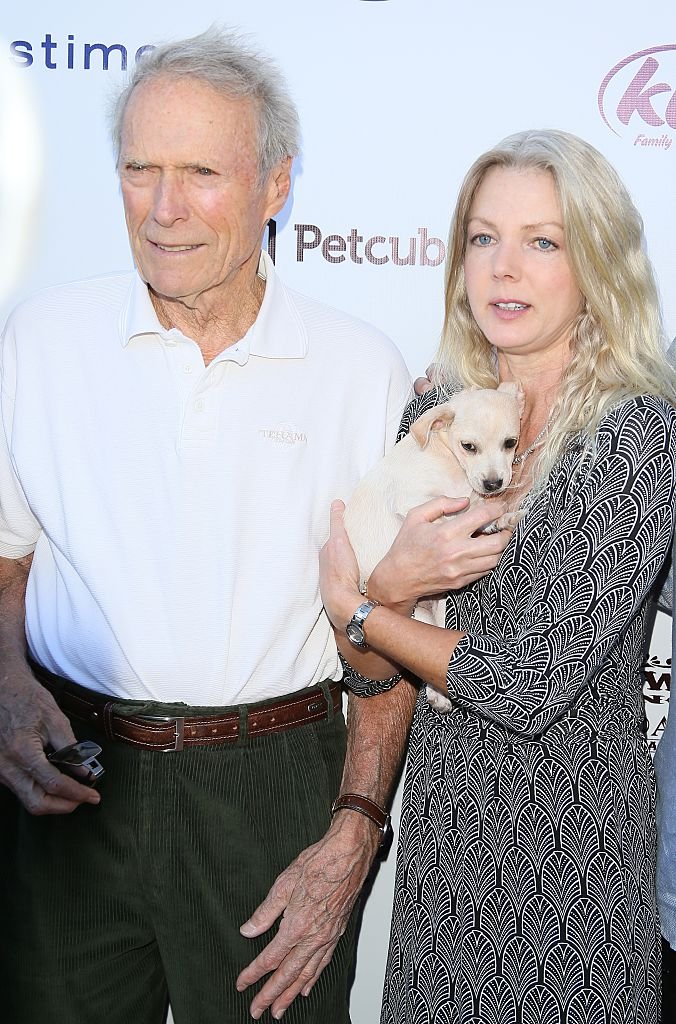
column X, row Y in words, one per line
column 199, row 405
column 187, row 368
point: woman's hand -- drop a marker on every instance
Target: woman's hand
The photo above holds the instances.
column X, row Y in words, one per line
column 436, row 551
column 339, row 572
column 423, row 384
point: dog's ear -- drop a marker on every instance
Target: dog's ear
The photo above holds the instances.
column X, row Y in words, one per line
column 513, row 387
column 436, row 419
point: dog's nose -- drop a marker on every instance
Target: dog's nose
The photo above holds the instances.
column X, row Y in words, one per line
column 495, row 484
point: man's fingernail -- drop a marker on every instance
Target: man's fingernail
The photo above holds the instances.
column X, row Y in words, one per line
column 247, row 930
column 256, row 1014
column 278, row 1014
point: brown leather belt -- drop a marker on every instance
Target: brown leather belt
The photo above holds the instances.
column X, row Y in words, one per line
column 175, row 733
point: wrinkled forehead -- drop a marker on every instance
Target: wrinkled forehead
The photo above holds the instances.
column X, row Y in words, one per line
column 186, row 115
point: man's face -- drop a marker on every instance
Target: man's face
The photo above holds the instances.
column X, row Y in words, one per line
column 194, row 207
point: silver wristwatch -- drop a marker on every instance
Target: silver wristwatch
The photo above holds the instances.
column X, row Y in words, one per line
column 355, row 627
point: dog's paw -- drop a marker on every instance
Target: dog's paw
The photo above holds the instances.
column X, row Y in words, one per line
column 509, row 520
column 506, row 522
column 438, row 701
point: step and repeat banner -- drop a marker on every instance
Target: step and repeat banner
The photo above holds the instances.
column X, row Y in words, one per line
column 396, row 99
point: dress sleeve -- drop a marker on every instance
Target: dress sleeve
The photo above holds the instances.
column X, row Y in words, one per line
column 19, row 530
column 361, row 685
column 422, row 403
column 608, row 532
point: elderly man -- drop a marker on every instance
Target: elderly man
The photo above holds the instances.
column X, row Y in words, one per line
column 170, row 443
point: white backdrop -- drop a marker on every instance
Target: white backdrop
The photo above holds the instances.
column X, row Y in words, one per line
column 396, row 97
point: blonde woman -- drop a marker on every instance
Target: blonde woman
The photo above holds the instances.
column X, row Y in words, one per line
column 525, row 878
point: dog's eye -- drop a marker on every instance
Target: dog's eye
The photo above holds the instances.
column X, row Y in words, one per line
column 511, row 442
column 468, row 446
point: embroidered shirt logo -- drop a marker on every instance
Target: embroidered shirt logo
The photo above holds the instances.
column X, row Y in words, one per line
column 283, row 435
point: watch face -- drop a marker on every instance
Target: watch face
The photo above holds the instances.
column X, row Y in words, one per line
column 355, row 634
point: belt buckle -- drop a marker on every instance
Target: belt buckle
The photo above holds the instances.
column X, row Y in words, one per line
column 179, row 726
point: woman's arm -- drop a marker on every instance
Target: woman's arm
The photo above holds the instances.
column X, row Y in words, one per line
column 435, row 551
column 394, row 638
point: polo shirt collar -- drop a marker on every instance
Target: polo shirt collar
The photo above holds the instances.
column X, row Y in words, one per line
column 138, row 315
column 277, row 332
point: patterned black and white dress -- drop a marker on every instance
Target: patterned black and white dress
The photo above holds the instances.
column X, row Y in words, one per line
column 525, row 887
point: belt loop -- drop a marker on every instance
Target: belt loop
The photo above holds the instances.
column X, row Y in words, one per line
column 325, row 686
column 108, row 720
column 243, row 733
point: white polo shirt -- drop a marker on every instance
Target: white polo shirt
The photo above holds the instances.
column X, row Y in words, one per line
column 175, row 510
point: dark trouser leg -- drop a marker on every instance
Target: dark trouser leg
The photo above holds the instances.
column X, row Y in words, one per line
column 76, row 946
column 267, row 801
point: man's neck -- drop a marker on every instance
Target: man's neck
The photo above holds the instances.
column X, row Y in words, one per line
column 213, row 326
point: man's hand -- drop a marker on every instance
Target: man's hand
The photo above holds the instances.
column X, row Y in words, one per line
column 438, row 550
column 30, row 721
column 315, row 895
column 339, row 572
column 29, row 717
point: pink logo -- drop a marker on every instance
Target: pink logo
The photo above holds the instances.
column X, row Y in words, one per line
column 640, row 93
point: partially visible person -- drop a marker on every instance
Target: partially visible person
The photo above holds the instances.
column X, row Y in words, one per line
column 162, row 496
column 525, row 886
column 665, row 769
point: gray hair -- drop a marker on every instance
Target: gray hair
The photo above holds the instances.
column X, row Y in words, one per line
column 229, row 65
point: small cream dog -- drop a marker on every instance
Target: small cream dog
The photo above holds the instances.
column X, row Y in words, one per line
column 463, row 448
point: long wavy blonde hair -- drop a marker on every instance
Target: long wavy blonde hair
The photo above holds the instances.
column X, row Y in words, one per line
column 618, row 341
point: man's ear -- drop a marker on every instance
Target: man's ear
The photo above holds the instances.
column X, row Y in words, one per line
column 279, row 186
column 436, row 419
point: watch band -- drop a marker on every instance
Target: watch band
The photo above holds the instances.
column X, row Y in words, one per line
column 362, row 804
column 354, row 630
